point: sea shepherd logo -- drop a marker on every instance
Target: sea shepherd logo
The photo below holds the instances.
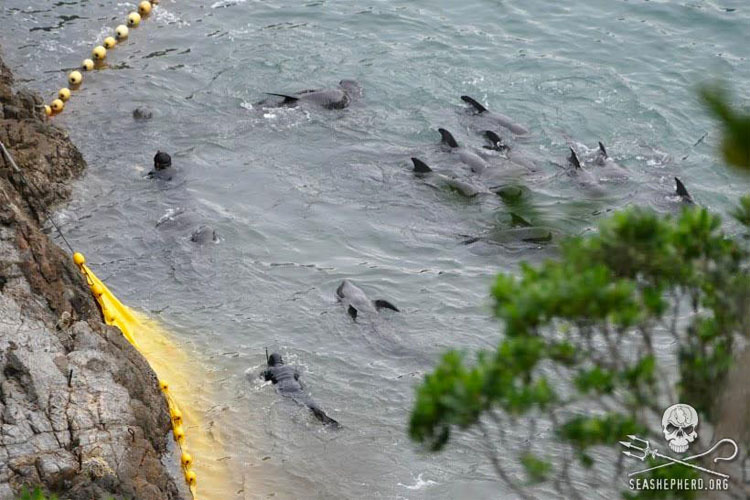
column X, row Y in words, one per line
column 680, row 428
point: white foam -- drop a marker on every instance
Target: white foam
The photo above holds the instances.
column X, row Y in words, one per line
column 421, row 483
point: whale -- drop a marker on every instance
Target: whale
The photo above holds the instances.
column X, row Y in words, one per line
column 499, row 118
column 496, row 143
column 520, row 231
column 682, row 192
column 203, row 235
column 584, row 176
column 421, row 169
column 356, row 301
column 475, row 162
column 286, row 380
column 328, row 98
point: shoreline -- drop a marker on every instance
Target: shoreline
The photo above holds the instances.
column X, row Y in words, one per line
column 81, row 414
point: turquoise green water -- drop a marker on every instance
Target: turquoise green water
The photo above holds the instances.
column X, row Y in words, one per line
column 302, row 198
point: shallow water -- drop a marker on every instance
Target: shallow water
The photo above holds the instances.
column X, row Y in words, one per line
column 302, row 198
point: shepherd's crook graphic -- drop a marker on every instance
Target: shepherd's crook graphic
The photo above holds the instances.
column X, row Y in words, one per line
column 647, row 451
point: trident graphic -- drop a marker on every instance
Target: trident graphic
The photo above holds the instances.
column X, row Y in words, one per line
column 647, row 451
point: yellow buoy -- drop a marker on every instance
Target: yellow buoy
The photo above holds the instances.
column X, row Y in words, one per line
column 109, row 42
column 121, row 32
column 87, row 65
column 191, row 478
column 186, row 459
column 144, row 8
column 134, row 19
column 64, row 94
column 176, row 416
column 57, row 105
column 47, row 110
column 75, row 77
column 99, row 53
column 79, row 259
column 163, row 385
column 179, row 433
column 109, row 317
column 97, row 289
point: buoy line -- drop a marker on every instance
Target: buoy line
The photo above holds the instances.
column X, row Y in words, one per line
column 98, row 55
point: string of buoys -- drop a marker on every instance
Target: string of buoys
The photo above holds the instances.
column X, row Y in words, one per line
column 98, row 55
column 117, row 314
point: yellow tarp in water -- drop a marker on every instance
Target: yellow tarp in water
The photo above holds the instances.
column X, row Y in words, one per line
column 179, row 378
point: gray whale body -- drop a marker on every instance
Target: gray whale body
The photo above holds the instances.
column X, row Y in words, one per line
column 331, row 98
column 355, row 300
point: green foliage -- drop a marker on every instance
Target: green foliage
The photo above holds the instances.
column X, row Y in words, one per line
column 537, row 470
column 37, row 494
column 735, row 146
column 578, row 313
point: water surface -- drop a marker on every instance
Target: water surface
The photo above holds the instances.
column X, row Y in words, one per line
column 304, row 198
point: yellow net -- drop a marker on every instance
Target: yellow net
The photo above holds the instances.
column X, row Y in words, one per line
column 179, row 378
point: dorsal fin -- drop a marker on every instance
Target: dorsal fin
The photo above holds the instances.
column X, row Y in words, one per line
column 573, row 159
column 682, row 192
column 420, row 167
column 517, row 220
column 603, row 150
column 470, row 100
column 384, row 304
column 288, row 99
column 495, row 140
column 447, row 138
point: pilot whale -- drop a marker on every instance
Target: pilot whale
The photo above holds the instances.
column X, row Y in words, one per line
column 356, row 301
column 473, row 160
column 499, row 118
column 421, row 169
column 331, row 98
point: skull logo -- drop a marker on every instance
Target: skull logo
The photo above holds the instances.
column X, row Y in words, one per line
column 679, row 423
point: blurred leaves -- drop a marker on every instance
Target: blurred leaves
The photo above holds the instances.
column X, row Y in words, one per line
column 735, row 144
column 37, row 494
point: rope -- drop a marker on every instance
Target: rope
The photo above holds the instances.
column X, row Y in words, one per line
column 38, row 193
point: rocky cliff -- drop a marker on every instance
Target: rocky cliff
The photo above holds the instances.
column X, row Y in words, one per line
column 80, row 411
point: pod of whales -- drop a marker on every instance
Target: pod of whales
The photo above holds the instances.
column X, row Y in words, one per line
column 286, row 380
column 356, row 301
column 331, row 98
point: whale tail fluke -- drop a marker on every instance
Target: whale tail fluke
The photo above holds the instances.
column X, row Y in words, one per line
column 384, row 304
column 447, row 138
column 603, row 150
column 420, row 167
column 474, row 103
column 352, row 312
column 288, row 99
column 323, row 417
column 573, row 158
column 682, row 191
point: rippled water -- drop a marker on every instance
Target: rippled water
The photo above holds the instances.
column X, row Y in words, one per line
column 303, row 198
